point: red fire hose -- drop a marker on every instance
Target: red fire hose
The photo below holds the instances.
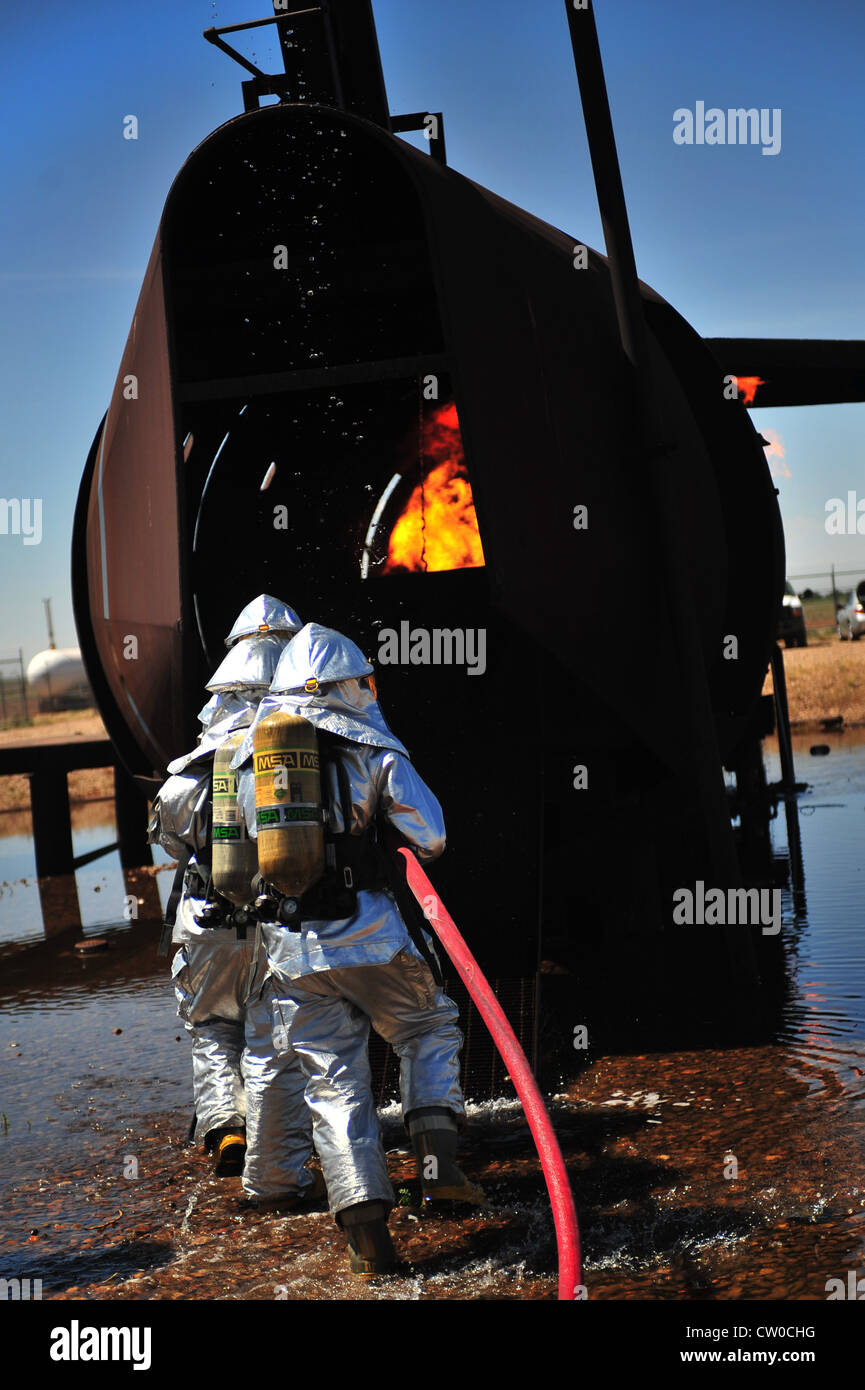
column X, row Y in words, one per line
column 552, row 1163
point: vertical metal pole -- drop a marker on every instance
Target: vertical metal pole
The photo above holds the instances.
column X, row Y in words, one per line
column 330, row 39
column 788, row 773
column 608, row 182
column 782, row 715
column 834, row 597
column 23, row 686
column 52, row 644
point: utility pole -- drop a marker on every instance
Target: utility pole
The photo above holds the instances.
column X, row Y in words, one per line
column 51, row 643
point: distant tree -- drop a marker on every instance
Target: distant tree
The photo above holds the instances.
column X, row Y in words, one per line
column 807, row 593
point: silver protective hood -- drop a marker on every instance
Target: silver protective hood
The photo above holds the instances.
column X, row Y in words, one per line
column 264, row 614
column 180, row 813
column 238, row 684
column 208, row 713
column 250, row 663
column 331, row 665
column 316, row 655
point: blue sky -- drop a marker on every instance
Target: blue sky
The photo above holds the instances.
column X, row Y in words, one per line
column 741, row 243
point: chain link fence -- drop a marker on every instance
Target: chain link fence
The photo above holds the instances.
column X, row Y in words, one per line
column 15, row 706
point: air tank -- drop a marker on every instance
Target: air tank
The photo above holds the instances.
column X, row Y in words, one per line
column 234, row 855
column 288, row 803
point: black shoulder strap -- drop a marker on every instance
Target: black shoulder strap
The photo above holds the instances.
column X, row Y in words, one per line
column 409, row 908
column 173, row 900
column 328, row 748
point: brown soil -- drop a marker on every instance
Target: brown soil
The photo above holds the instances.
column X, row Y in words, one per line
column 55, row 728
column 823, row 682
column 86, row 785
column 663, row 1214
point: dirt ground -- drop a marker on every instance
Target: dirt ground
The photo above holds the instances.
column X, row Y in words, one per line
column 86, row 785
column 824, row 682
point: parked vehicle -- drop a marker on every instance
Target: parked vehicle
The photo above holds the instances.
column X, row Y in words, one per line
column 791, row 626
column 851, row 618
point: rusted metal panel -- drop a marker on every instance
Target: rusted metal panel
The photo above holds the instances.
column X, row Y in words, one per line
column 133, row 551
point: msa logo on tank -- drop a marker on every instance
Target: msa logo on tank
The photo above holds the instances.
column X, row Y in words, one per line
column 294, row 759
column 227, row 824
column 274, row 768
column 301, row 813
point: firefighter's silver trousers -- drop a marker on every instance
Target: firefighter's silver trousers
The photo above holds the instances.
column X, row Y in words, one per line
column 325, row 1018
column 210, row 974
column 278, row 1120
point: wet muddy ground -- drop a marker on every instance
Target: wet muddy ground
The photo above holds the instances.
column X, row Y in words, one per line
column 721, row 1174
column 652, row 1150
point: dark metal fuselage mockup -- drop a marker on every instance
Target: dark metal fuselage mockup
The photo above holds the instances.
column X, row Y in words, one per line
column 318, row 290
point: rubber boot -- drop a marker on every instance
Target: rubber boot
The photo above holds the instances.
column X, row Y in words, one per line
column 433, row 1130
column 228, row 1147
column 370, row 1251
column 288, row 1201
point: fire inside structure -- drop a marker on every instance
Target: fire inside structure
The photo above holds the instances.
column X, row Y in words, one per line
column 438, row 527
column 374, row 388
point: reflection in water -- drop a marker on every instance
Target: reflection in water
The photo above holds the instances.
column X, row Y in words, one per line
column 96, row 896
column 722, row 1173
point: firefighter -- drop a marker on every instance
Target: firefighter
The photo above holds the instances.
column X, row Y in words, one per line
column 347, row 958
column 211, row 970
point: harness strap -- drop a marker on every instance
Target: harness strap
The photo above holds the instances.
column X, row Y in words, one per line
column 253, row 964
column 409, row 909
column 173, row 900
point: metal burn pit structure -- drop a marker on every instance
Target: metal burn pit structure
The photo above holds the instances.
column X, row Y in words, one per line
column 360, row 381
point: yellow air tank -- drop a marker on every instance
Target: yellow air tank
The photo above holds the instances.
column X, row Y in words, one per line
column 288, row 803
column 235, row 857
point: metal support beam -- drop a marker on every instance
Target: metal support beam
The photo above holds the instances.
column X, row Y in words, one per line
column 131, row 816
column 52, row 827
column 417, row 120
column 254, row 88
column 214, row 35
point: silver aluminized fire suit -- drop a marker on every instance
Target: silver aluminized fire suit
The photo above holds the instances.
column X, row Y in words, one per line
column 211, row 971
column 329, row 981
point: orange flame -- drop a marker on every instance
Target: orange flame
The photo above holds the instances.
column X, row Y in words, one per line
column 774, row 448
column 438, row 530
column 747, row 387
